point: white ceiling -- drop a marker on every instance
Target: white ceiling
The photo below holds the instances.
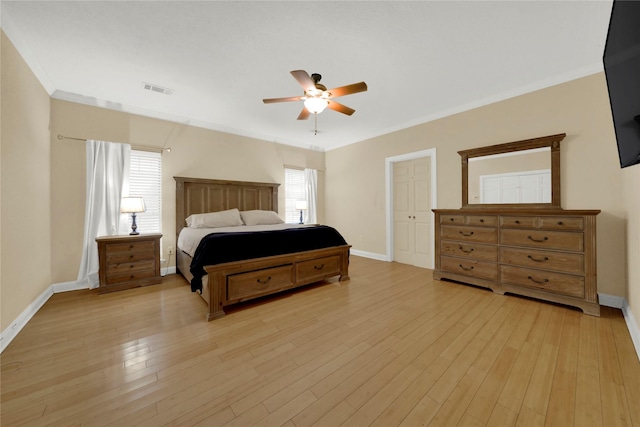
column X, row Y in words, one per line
column 421, row 59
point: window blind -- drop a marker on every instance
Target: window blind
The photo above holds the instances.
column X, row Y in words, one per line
column 294, row 189
column 145, row 180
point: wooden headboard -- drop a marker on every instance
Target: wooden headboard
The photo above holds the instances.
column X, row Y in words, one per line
column 197, row 195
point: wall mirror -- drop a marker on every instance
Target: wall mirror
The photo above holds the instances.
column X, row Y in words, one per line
column 522, row 174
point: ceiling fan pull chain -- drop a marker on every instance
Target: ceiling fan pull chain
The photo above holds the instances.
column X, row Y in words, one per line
column 315, row 119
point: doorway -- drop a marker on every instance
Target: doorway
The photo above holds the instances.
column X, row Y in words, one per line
column 411, row 194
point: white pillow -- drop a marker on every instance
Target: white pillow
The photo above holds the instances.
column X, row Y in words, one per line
column 228, row 218
column 259, row 217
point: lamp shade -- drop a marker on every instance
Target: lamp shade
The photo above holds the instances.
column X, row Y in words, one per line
column 132, row 205
column 301, row 205
column 315, row 105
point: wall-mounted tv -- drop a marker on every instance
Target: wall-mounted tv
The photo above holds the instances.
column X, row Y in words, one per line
column 622, row 69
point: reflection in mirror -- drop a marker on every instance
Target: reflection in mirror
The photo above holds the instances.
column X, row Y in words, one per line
column 520, row 174
column 516, row 177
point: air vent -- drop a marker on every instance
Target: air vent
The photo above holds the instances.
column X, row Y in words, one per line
column 156, row 88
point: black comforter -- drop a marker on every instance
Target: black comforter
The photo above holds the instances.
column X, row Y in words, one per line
column 218, row 248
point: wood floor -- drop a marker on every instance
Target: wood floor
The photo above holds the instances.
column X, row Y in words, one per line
column 378, row 351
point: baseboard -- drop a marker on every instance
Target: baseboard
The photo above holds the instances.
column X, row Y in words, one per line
column 69, row 286
column 379, row 257
column 20, row 322
column 166, row 271
column 612, row 301
column 632, row 326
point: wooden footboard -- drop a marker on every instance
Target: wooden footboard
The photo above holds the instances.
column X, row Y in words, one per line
column 234, row 282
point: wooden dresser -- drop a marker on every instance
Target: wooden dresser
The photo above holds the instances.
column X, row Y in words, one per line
column 549, row 254
column 128, row 261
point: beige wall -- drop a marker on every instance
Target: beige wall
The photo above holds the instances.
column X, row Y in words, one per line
column 25, row 221
column 591, row 175
column 631, row 177
column 195, row 152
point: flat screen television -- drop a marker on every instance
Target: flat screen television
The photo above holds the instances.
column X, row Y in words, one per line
column 622, row 69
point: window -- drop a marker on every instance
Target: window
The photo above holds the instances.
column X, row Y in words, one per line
column 294, row 190
column 145, row 180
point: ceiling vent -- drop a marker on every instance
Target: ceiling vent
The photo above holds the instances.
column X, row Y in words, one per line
column 156, row 88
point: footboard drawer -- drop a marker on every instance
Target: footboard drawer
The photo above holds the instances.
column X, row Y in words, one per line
column 317, row 269
column 261, row 282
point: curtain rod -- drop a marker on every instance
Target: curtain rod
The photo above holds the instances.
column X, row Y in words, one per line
column 135, row 147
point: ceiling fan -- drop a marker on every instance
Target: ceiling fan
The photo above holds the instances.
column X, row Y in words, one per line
column 316, row 96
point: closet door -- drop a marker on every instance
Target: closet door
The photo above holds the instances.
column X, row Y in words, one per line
column 412, row 212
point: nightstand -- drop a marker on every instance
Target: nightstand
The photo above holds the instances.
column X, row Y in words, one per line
column 128, row 261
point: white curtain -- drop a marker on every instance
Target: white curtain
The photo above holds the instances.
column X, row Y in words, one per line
column 311, row 193
column 107, row 169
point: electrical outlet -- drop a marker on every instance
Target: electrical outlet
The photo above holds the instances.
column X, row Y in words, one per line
column 170, row 250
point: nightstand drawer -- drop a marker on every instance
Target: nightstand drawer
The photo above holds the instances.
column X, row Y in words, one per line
column 127, row 267
column 130, row 257
column 113, row 248
column 130, row 277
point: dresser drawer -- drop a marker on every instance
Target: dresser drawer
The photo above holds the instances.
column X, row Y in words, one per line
column 518, row 221
column 144, row 246
column 469, row 234
column 543, row 239
column 469, row 250
column 317, row 268
column 469, row 267
column 129, row 277
column 561, row 223
column 557, row 261
column 480, row 220
column 259, row 282
column 487, row 220
column 559, row 283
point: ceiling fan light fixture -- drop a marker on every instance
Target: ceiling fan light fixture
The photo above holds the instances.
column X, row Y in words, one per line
column 316, row 105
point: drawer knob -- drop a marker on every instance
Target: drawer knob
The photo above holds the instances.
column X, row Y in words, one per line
column 451, row 219
column 264, row 282
column 481, row 220
column 467, row 251
column 318, row 267
column 544, row 239
column 517, row 221
column 130, row 256
column 560, row 223
column 537, row 281
column 466, row 234
column 465, row 268
column 532, row 258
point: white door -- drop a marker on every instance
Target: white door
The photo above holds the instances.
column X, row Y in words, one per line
column 412, row 212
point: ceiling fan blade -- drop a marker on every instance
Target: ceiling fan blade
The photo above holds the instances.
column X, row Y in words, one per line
column 304, row 114
column 348, row 89
column 272, row 100
column 336, row 106
column 304, row 79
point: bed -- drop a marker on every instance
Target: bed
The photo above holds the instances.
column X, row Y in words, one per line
column 314, row 253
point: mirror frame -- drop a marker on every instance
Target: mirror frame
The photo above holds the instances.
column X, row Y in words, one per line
column 551, row 141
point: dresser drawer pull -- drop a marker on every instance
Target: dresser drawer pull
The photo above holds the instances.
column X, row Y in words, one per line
column 320, row 267
column 538, row 259
column 545, row 238
column 465, row 268
column 560, row 223
column 466, row 251
column 130, row 256
column 481, row 220
column 130, row 246
column 466, row 234
column 537, row 281
column 517, row 221
column 264, row 282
